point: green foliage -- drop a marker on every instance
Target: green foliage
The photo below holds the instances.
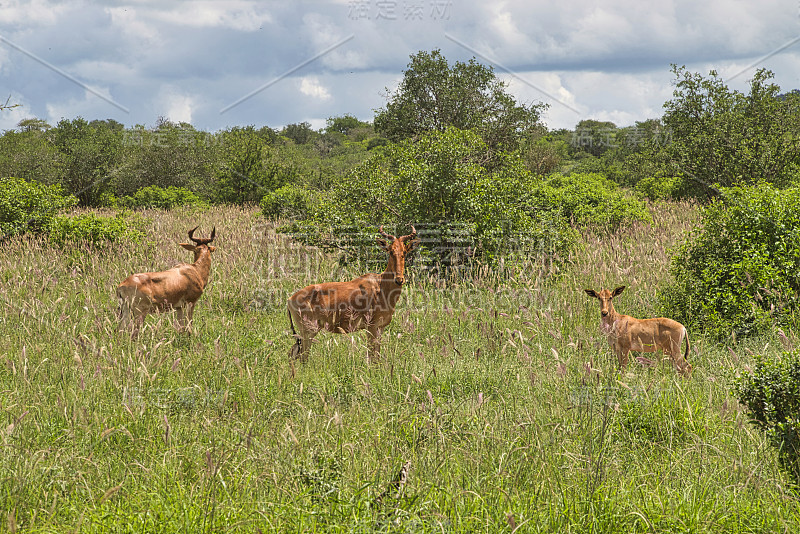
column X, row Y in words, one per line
column 434, row 96
column 594, row 137
column 161, row 197
column 29, row 206
column 94, row 229
column 443, row 181
column 724, row 137
column 249, row 166
column 89, row 153
column 344, row 124
column 589, row 199
column 740, row 271
column 290, row 201
column 31, row 155
column 771, row 394
column 174, row 155
column 662, row 188
column 543, row 154
column 299, row 133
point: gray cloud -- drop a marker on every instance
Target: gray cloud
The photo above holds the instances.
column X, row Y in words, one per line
column 191, row 59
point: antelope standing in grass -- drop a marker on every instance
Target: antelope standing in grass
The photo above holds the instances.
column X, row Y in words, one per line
column 367, row 302
column 643, row 335
column 177, row 288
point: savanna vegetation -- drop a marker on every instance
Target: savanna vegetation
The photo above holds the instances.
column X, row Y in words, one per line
column 496, row 404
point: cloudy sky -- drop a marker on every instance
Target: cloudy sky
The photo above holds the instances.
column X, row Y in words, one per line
column 218, row 64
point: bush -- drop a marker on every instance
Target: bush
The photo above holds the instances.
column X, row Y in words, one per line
column 442, row 184
column 771, row 394
column 29, row 206
column 94, row 229
column 589, row 199
column 740, row 271
column 290, row 201
column 162, row 198
column 663, row 187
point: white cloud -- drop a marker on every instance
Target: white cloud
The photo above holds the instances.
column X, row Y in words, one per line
column 34, row 13
column 177, row 107
column 234, row 15
column 310, row 86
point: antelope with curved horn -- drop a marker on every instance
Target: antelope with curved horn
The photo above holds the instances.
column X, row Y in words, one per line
column 642, row 335
column 366, row 302
column 177, row 288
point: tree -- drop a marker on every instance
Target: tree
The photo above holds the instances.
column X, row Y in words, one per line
column 89, row 154
column 30, row 154
column 434, row 96
column 344, row 124
column 169, row 155
column 594, row 137
column 246, row 169
column 33, row 125
column 299, row 133
column 739, row 271
column 724, row 137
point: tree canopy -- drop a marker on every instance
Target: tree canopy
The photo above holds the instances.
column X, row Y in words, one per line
column 434, row 95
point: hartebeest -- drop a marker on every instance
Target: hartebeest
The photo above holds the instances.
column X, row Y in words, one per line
column 177, row 288
column 642, row 335
column 366, row 302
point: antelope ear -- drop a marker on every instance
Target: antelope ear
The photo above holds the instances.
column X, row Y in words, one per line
column 188, row 246
column 591, row 293
column 383, row 244
column 617, row 291
column 411, row 245
column 211, row 248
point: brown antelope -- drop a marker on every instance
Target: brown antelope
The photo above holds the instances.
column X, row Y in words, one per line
column 366, row 302
column 642, row 335
column 177, row 288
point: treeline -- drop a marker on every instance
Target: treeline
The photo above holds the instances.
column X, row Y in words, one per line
column 102, row 162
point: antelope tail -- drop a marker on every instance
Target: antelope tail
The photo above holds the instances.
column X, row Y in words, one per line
column 686, row 354
column 294, row 333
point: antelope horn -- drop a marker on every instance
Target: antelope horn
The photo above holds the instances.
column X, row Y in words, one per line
column 384, row 234
column 203, row 240
column 412, row 235
column 191, row 235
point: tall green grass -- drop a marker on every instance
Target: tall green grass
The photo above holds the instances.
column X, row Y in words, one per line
column 498, row 390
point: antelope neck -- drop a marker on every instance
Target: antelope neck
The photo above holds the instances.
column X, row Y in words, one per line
column 203, row 262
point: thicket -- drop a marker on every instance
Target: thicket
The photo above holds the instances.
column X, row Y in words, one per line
column 739, row 272
column 95, row 229
column 29, row 206
column 488, row 208
column 162, row 198
column 771, row 394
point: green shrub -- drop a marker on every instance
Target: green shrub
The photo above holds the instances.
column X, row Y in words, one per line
column 290, row 201
column 162, row 198
column 589, row 199
column 771, row 394
column 443, row 184
column 740, row 271
column 94, row 229
column 663, row 187
column 29, row 206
